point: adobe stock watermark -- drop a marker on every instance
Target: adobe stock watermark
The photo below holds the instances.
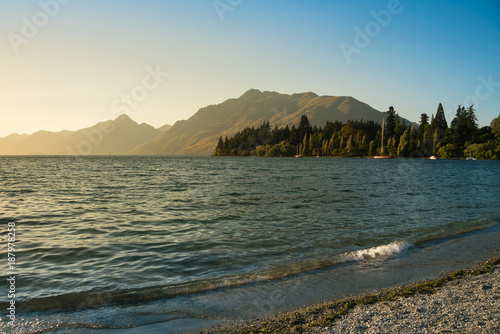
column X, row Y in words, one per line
column 30, row 28
column 11, row 273
column 223, row 6
column 363, row 37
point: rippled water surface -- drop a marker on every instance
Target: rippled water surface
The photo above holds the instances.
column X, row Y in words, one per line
column 120, row 230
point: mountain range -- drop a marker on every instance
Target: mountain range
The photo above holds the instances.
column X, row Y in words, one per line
column 197, row 135
column 116, row 137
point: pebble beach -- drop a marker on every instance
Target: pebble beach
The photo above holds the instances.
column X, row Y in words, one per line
column 469, row 305
column 461, row 302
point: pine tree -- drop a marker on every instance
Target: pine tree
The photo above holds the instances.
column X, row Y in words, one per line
column 463, row 128
column 391, row 146
column 437, row 140
column 350, row 146
column 324, row 148
column 399, row 131
column 225, row 147
column 427, row 147
column 372, row 150
column 404, row 145
column 412, row 151
column 305, row 146
column 472, row 123
column 304, row 126
column 312, row 146
column 220, row 147
column 390, row 122
column 286, row 133
column 439, row 121
column 458, row 127
column 363, row 145
column 424, row 121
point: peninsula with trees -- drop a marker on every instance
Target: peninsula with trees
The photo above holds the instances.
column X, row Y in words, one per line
column 431, row 137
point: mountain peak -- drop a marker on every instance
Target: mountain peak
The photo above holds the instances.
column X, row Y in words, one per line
column 123, row 117
column 306, row 95
column 251, row 94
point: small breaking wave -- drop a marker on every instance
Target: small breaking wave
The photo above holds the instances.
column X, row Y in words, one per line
column 379, row 251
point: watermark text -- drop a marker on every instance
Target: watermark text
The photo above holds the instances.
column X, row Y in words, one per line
column 11, row 273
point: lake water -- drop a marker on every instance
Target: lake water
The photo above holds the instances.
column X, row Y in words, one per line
column 109, row 243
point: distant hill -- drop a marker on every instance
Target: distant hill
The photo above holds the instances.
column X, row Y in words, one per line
column 199, row 134
column 40, row 142
column 121, row 136
column 164, row 128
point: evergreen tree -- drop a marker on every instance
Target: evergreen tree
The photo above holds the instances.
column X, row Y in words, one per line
column 459, row 127
column 304, row 126
column 437, row 140
column 399, row 131
column 220, row 147
column 404, row 145
column 364, row 144
column 390, row 122
column 439, row 121
column 350, row 146
column 276, row 134
column 472, row 128
column 286, row 133
column 426, row 145
column 391, row 146
column 413, row 142
column 463, row 129
column 315, row 144
column 372, row 150
column 471, row 117
column 305, row 146
column 312, row 141
column 226, row 148
column 324, row 148
column 424, row 121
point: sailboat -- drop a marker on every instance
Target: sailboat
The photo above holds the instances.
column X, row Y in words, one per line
column 382, row 156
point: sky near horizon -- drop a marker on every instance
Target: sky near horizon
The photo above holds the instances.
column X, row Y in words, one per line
column 68, row 64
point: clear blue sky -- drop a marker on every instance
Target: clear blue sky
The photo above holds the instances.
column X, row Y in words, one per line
column 84, row 55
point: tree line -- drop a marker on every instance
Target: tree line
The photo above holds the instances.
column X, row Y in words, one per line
column 432, row 136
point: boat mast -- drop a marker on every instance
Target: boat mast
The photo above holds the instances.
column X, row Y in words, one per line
column 382, row 138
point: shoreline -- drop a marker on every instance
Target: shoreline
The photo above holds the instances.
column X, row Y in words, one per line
column 384, row 310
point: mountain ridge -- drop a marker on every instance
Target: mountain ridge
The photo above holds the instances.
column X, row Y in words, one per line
column 199, row 134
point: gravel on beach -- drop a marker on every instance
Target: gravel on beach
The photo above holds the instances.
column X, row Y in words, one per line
column 461, row 302
column 468, row 305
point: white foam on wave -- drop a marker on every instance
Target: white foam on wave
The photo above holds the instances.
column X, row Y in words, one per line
column 384, row 250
